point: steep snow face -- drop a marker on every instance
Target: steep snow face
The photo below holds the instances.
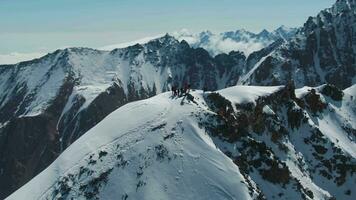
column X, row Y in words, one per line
column 43, row 76
column 240, row 40
column 152, row 149
column 323, row 51
column 238, row 143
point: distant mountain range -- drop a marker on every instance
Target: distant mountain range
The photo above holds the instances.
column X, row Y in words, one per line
column 240, row 40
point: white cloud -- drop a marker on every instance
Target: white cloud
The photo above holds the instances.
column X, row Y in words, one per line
column 229, row 45
column 216, row 43
column 16, row 57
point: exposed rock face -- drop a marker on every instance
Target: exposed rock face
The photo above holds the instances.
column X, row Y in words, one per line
column 323, row 51
column 263, row 139
column 29, row 143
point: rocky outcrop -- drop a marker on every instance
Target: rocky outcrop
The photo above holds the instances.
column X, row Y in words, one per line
column 265, row 137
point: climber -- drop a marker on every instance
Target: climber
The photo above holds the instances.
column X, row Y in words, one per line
column 190, row 97
column 182, row 92
column 173, row 91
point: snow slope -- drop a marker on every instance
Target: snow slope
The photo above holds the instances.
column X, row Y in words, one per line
column 189, row 166
column 175, row 148
column 246, row 94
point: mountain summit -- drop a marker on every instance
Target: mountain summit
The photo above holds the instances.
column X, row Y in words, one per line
column 322, row 51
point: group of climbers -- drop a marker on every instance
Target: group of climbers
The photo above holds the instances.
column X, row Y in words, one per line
column 179, row 92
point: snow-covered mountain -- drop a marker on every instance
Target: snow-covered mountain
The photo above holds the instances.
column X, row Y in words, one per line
column 322, row 51
column 51, row 101
column 225, row 42
column 47, row 103
column 242, row 142
column 240, row 40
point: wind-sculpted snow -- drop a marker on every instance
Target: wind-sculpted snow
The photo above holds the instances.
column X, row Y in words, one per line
column 238, row 143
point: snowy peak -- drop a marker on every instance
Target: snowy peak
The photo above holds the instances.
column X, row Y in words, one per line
column 165, row 40
column 323, row 51
column 330, row 16
column 263, row 33
column 344, row 6
column 285, row 32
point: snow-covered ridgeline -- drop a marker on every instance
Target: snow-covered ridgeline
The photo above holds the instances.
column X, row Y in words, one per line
column 175, row 149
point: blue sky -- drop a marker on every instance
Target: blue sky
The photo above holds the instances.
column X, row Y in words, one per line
column 45, row 25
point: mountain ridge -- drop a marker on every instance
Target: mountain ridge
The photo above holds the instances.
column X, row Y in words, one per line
column 176, row 138
column 71, row 90
column 50, row 102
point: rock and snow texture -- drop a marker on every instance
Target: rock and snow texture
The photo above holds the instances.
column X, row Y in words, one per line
column 152, row 149
column 238, row 143
column 240, row 40
column 50, row 102
column 323, row 50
